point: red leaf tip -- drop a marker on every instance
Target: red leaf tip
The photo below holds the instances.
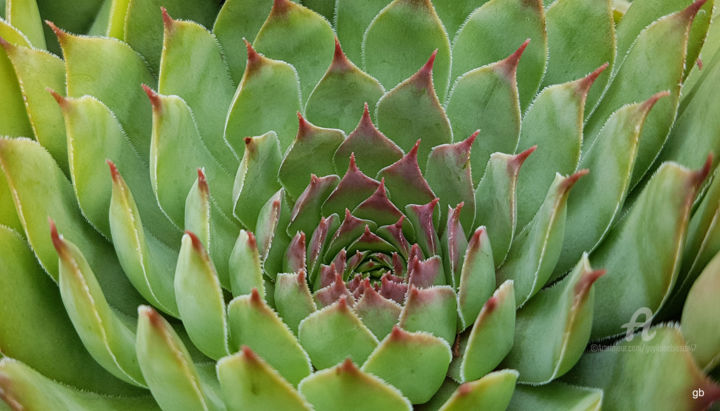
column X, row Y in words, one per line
column 649, row 103
column 301, row 277
column 586, row 281
column 255, row 296
column 113, row 170
column 281, row 6
column 196, row 243
column 249, row 353
column 167, row 20
column 691, row 10
column 510, row 63
column 700, row 175
column 252, row 55
column 59, row 33
column 62, row 101
column 57, row 239
column 153, row 96
column 340, row 61
column 491, row 304
column 572, row 179
column 397, row 333
column 586, row 82
column 153, row 317
column 348, row 367
column 202, row 181
column 4, row 43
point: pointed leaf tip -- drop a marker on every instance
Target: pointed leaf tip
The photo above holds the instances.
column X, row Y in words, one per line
column 426, row 70
column 583, row 285
column 59, row 33
column 587, row 82
column 252, row 55
column 510, row 63
column 114, row 173
column 340, row 61
column 153, row 317
column 59, row 98
column 4, row 43
column 57, row 240
column 196, row 243
column 255, row 297
column 520, row 158
column 280, row 6
column 202, row 181
column 691, row 10
column 153, row 96
column 348, row 367
column 167, row 20
column 649, row 103
column 572, row 179
column 701, row 175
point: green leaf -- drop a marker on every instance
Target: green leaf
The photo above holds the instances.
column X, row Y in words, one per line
column 477, row 278
column 661, row 45
column 491, row 337
column 272, row 239
column 597, row 200
column 696, row 320
column 171, row 375
column 369, row 146
column 553, row 328
column 245, row 266
column 400, row 37
column 40, row 190
column 257, row 326
column 561, row 106
column 657, row 358
column 378, row 313
column 535, row 250
column 412, row 110
column 35, row 328
column 14, row 121
column 449, row 175
column 581, row 37
column 299, row 36
column 105, row 335
column 94, row 136
column 454, row 246
column 643, row 277
column 25, row 16
column 144, row 28
column 486, row 99
column 453, row 14
column 204, row 82
column 433, row 310
column 111, row 71
column 310, row 153
column 292, row 299
column 200, row 299
column 555, row 396
column 37, row 70
column 352, row 190
column 116, row 18
column 250, row 383
column 491, row 392
column 405, row 181
column 147, row 262
column 415, row 363
column 334, row 333
column 337, row 98
column 267, row 98
column 238, row 20
column 351, row 20
column 496, row 201
column 345, row 386
column 307, row 210
column 503, row 24
column 26, row 389
column 176, row 151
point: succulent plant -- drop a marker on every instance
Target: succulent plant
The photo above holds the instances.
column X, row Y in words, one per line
column 348, row 205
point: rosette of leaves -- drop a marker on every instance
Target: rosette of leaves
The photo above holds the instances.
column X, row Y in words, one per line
column 358, row 205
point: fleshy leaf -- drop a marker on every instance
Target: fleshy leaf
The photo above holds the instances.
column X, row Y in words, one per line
column 453, row 13
column 270, row 233
column 405, row 181
column 310, row 153
column 433, row 310
column 423, row 221
column 299, row 36
column 40, row 190
column 553, row 328
column 257, row 326
column 662, row 45
column 107, row 338
column 491, row 392
column 558, row 150
column 36, row 70
column 555, row 396
column 199, row 298
column 307, row 210
column 334, row 333
column 643, row 277
column 454, row 245
column 345, row 385
column 176, row 151
column 238, row 20
column 568, row 24
column 477, row 277
column 496, row 201
column 250, row 383
column 173, row 379
column 14, row 121
column 486, row 99
column 337, row 98
column 351, row 20
column 400, row 37
column 415, row 363
column 147, row 262
column 378, row 313
column 24, row 15
column 292, row 299
column 204, row 83
column 503, row 24
column 491, row 338
column 245, row 266
column 369, row 146
column 352, row 189
column 536, row 248
column 111, row 71
column 623, row 374
column 296, row 254
column 697, row 325
column 24, row 388
column 597, row 199
column 256, row 178
column 35, row 327
column 449, row 175
column 267, row 98
column 412, row 109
